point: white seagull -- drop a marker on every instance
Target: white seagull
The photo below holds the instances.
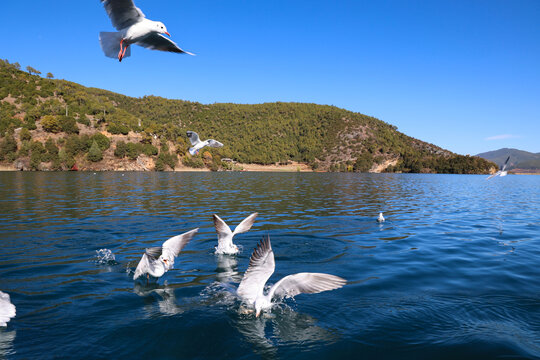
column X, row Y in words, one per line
column 156, row 261
column 198, row 144
column 501, row 172
column 133, row 28
column 7, row 309
column 225, row 235
column 380, row 218
column 261, row 267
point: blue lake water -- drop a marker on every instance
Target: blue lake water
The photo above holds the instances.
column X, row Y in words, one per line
column 454, row 272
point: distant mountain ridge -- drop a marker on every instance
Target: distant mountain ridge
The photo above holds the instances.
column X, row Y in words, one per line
column 50, row 124
column 519, row 159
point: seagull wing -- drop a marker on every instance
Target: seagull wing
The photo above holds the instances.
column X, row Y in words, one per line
column 173, row 246
column 305, row 283
column 492, row 175
column 144, row 265
column 223, row 230
column 261, row 267
column 246, row 224
column 214, row 143
column 193, row 137
column 505, row 163
column 155, row 41
column 123, row 13
column 7, row 309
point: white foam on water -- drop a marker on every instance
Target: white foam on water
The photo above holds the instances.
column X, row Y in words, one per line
column 105, row 257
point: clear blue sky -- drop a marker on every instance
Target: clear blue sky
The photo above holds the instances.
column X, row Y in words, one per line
column 461, row 74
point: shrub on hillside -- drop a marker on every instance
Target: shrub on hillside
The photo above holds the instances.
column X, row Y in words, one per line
column 68, row 124
column 95, row 154
column 8, row 148
column 120, row 149
column 103, row 141
column 51, row 124
column 25, row 135
column 193, row 162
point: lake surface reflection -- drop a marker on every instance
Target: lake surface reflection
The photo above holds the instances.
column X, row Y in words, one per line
column 453, row 272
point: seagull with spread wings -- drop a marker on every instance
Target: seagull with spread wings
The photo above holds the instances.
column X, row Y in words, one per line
column 261, row 267
column 502, row 171
column 133, row 28
column 198, row 144
column 156, row 261
column 225, row 235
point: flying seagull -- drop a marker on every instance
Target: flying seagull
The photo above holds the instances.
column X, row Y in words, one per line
column 7, row 309
column 156, row 261
column 198, row 144
column 501, row 172
column 261, row 267
column 225, row 235
column 380, row 218
column 133, row 28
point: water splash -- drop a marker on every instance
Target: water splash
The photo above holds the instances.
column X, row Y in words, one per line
column 105, row 257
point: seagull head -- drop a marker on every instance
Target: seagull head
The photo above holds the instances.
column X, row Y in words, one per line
column 260, row 304
column 257, row 310
column 166, row 261
column 161, row 28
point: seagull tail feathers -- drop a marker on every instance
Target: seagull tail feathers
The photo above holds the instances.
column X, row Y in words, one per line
column 110, row 44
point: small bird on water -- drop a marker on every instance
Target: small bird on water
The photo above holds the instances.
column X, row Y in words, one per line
column 7, row 309
column 156, row 261
column 380, row 218
column 133, row 28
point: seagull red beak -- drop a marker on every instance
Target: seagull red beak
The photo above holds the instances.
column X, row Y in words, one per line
column 169, row 35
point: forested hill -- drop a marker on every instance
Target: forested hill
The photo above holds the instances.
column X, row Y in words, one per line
column 520, row 161
column 107, row 131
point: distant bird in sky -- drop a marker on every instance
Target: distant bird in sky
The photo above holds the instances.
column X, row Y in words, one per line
column 502, row 171
column 198, row 144
column 7, row 309
column 156, row 261
column 133, row 28
column 225, row 235
column 261, row 267
column 380, row 218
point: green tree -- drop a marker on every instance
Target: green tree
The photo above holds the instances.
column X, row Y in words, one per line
column 50, row 75
column 67, row 124
column 35, row 161
column 8, row 147
column 51, row 124
column 103, row 141
column 120, row 149
column 32, row 70
column 95, row 154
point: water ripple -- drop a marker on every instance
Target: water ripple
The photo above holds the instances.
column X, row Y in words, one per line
column 452, row 273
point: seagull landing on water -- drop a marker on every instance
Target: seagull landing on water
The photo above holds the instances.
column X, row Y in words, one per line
column 225, row 235
column 7, row 309
column 380, row 218
column 156, row 261
column 133, row 28
column 198, row 144
column 261, row 267
column 502, row 171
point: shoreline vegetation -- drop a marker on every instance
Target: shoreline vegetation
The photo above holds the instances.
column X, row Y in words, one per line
column 52, row 125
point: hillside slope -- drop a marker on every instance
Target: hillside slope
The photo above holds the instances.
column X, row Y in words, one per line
column 95, row 129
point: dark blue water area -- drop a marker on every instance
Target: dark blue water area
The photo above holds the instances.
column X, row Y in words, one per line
column 454, row 272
